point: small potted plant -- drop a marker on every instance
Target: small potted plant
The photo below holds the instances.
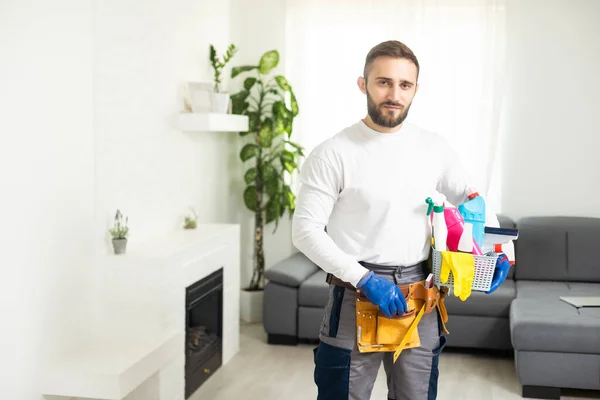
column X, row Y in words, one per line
column 189, row 222
column 119, row 233
column 220, row 100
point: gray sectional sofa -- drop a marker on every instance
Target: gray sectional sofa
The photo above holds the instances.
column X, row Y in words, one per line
column 555, row 344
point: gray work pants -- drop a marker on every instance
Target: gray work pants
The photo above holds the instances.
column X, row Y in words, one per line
column 343, row 373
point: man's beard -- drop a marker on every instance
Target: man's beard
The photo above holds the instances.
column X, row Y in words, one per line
column 383, row 117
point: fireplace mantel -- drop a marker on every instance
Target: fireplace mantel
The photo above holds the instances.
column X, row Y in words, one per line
column 136, row 323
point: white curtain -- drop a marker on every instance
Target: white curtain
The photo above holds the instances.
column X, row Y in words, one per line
column 459, row 45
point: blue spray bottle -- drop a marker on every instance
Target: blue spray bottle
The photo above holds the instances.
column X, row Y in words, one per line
column 473, row 211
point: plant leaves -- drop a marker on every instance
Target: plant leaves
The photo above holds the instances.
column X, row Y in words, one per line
column 249, row 82
column 235, row 71
column 239, row 103
column 271, row 186
column 279, row 109
column 265, row 135
column 283, row 205
column 250, row 176
column 239, row 107
column 213, row 54
column 283, row 83
column 248, row 151
column 294, row 104
column 269, row 172
column 288, row 165
column 253, row 121
column 296, row 145
column 272, row 209
column 288, row 127
column 299, row 149
column 268, row 61
column 279, row 125
column 241, row 95
column 289, row 199
column 288, row 155
column 250, row 198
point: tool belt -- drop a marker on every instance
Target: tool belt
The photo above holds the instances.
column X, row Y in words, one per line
column 377, row 333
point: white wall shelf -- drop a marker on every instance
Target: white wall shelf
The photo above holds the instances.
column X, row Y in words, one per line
column 212, row 122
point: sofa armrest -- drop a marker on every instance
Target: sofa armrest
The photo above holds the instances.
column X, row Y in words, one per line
column 506, row 222
column 292, row 271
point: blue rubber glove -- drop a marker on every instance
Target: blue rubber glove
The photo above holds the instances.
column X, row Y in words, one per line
column 384, row 294
column 502, row 267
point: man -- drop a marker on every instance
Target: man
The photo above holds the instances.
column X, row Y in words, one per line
column 361, row 216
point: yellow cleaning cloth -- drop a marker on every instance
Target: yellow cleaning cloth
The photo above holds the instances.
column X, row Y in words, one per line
column 462, row 266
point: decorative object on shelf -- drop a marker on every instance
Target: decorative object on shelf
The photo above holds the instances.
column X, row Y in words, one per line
column 197, row 97
column 271, row 107
column 119, row 233
column 190, row 222
column 219, row 100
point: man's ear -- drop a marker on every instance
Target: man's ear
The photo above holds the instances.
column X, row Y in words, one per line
column 362, row 84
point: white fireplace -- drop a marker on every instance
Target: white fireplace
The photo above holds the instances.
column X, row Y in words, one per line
column 134, row 348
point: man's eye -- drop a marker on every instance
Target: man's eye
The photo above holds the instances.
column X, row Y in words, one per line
column 384, row 83
column 405, row 86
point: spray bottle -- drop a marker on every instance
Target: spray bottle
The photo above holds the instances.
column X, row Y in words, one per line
column 438, row 221
column 473, row 212
column 440, row 232
column 454, row 227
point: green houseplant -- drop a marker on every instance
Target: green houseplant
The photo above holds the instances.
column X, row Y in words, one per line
column 119, row 233
column 190, row 221
column 220, row 100
column 271, row 107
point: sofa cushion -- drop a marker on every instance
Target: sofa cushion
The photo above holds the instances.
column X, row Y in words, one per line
column 496, row 304
column 540, row 321
column 292, row 271
column 557, row 249
column 314, row 292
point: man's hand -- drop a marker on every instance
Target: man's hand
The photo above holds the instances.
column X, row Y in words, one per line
column 502, row 267
column 384, row 294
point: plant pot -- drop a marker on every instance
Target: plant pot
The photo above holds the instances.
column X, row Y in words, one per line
column 219, row 103
column 251, row 305
column 119, row 245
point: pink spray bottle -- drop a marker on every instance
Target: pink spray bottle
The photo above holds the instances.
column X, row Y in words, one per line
column 455, row 225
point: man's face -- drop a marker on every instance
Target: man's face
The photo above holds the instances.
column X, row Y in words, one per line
column 390, row 88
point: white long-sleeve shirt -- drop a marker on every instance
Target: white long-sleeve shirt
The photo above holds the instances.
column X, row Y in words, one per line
column 368, row 189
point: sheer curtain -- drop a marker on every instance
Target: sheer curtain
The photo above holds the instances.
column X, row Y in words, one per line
column 460, row 47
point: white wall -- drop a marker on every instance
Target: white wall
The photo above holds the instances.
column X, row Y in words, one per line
column 145, row 166
column 90, row 93
column 550, row 163
column 46, row 160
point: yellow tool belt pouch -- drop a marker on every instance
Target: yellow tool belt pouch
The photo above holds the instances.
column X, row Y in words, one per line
column 376, row 333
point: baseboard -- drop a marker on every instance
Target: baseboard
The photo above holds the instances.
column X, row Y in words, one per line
column 287, row 340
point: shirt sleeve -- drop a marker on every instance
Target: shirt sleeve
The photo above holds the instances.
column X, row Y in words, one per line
column 454, row 180
column 321, row 184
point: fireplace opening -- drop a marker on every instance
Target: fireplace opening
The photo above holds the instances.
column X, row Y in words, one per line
column 204, row 330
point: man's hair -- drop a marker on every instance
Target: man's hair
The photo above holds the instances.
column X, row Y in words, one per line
column 391, row 48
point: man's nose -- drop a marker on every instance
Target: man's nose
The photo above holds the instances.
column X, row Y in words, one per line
column 395, row 94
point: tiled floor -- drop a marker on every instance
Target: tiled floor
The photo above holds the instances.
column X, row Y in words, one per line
column 263, row 372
